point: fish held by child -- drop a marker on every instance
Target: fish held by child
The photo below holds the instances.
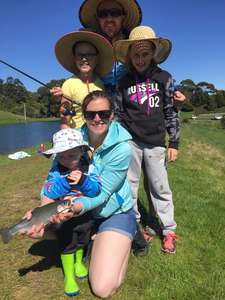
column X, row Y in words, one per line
column 40, row 215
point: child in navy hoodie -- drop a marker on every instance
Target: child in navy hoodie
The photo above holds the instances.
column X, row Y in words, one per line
column 147, row 111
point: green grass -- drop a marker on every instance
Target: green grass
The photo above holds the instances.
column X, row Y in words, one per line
column 195, row 272
column 10, row 118
column 202, row 120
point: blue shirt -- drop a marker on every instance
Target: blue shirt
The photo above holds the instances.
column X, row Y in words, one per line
column 58, row 185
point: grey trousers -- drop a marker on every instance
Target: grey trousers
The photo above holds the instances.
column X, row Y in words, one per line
column 156, row 183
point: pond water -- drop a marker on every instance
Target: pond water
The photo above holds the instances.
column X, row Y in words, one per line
column 15, row 137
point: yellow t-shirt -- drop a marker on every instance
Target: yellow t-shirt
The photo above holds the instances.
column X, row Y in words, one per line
column 76, row 89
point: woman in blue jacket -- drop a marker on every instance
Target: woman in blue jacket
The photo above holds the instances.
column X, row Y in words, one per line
column 112, row 208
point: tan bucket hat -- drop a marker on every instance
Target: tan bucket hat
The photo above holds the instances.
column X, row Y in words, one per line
column 64, row 54
column 143, row 33
column 88, row 10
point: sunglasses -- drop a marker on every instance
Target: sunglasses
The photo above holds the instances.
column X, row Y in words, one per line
column 86, row 55
column 103, row 114
column 113, row 12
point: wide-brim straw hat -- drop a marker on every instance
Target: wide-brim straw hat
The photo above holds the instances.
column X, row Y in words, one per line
column 143, row 33
column 65, row 56
column 88, row 10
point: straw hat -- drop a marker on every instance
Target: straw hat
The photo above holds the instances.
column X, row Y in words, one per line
column 88, row 10
column 143, row 33
column 64, row 54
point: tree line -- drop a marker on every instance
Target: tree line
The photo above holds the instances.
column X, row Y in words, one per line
column 39, row 104
column 201, row 97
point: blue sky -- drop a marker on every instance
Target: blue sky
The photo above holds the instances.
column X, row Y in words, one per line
column 30, row 28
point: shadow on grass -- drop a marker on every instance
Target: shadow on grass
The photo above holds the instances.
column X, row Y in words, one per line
column 49, row 250
column 149, row 219
column 143, row 211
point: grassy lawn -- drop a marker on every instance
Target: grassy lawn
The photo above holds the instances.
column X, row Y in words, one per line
column 29, row 269
column 9, row 118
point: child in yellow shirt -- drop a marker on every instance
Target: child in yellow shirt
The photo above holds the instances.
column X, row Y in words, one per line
column 88, row 56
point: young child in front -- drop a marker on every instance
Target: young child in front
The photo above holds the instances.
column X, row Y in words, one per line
column 72, row 175
column 147, row 111
column 88, row 56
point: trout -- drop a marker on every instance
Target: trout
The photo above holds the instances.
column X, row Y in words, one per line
column 40, row 215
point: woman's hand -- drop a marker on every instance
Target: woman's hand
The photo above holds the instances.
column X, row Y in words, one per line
column 36, row 231
column 77, row 207
column 28, row 215
column 63, row 216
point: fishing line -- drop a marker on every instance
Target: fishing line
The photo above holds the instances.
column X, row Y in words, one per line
column 36, row 80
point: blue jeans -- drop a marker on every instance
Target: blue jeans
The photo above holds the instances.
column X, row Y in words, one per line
column 124, row 223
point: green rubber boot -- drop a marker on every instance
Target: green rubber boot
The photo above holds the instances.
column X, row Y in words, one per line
column 80, row 268
column 71, row 288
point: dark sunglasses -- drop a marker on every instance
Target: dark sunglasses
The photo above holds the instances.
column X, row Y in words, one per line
column 86, row 55
column 113, row 12
column 103, row 114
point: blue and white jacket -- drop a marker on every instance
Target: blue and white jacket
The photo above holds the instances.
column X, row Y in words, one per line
column 58, row 185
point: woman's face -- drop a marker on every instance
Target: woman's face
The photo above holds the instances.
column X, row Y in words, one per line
column 70, row 158
column 86, row 57
column 98, row 116
column 110, row 18
column 141, row 55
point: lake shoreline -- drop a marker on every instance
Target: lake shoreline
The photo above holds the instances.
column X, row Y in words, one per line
column 18, row 136
column 7, row 118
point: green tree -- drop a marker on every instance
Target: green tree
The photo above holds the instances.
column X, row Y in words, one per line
column 15, row 90
column 1, row 86
column 50, row 106
column 187, row 106
column 187, row 87
column 220, row 98
column 207, row 87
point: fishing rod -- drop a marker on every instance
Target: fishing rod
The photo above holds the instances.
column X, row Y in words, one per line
column 36, row 80
column 25, row 74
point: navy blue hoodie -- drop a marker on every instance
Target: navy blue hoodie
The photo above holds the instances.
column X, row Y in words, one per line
column 147, row 109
